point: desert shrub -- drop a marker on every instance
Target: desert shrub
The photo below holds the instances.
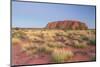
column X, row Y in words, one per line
column 92, row 41
column 76, row 44
column 48, row 49
column 31, row 52
column 55, row 44
column 16, row 41
column 45, row 49
column 49, row 38
column 84, row 38
column 17, row 28
column 93, row 31
column 19, row 34
column 60, row 55
column 71, row 35
column 63, row 33
column 80, row 45
column 29, row 48
column 59, row 34
column 35, row 39
column 41, row 48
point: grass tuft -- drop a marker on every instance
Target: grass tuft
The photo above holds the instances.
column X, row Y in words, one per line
column 60, row 55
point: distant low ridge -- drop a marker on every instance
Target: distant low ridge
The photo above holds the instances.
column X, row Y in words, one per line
column 67, row 24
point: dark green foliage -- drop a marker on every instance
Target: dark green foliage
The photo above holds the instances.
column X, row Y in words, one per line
column 93, row 42
column 84, row 38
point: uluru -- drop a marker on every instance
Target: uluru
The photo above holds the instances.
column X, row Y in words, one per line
column 67, row 24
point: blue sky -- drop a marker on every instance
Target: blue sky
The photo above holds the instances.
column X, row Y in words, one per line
column 37, row 15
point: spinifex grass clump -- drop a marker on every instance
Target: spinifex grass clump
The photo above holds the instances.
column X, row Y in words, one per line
column 45, row 49
column 19, row 34
column 16, row 41
column 60, row 55
column 55, row 44
column 79, row 45
column 29, row 48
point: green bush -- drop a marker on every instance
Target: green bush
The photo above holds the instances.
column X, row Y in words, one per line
column 60, row 55
column 93, row 42
column 84, row 38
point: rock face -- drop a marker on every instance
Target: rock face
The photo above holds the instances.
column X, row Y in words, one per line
column 67, row 24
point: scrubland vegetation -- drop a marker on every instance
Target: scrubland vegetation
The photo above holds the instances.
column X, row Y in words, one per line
column 58, row 45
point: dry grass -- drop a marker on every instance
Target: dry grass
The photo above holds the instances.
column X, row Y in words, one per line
column 16, row 41
column 52, row 42
column 78, row 44
column 60, row 55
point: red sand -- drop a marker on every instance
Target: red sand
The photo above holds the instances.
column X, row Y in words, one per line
column 21, row 58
